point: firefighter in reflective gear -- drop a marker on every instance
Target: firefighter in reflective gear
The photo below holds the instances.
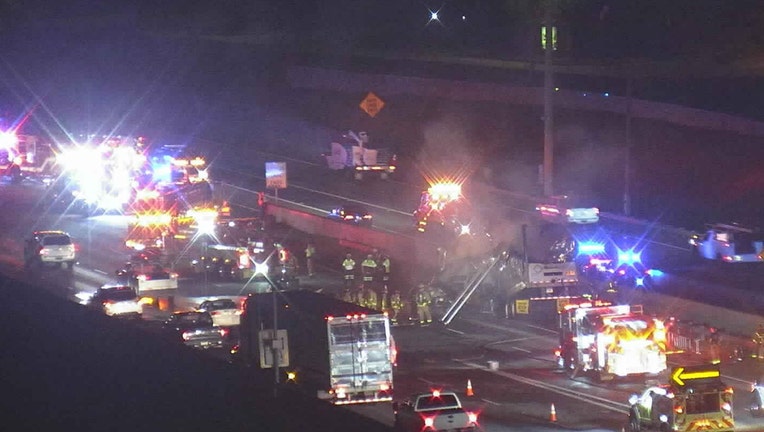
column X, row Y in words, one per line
column 396, row 303
column 384, row 303
column 758, row 339
column 368, row 268
column 385, row 270
column 358, row 296
column 348, row 267
column 369, row 298
column 423, row 301
column 714, row 346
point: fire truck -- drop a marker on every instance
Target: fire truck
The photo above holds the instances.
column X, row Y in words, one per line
column 609, row 341
column 150, row 229
column 695, row 399
column 442, row 204
column 26, row 156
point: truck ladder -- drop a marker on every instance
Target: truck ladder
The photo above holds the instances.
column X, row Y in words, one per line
column 469, row 289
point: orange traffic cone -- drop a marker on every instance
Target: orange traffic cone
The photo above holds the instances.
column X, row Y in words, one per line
column 552, row 414
column 469, row 389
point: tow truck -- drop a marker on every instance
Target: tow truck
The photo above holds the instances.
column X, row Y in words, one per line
column 610, row 341
column 353, row 154
column 695, row 399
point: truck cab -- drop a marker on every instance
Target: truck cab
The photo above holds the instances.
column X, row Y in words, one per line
column 695, row 399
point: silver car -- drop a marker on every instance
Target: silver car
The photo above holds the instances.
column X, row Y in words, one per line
column 50, row 247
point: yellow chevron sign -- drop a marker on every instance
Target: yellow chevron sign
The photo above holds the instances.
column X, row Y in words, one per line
column 680, row 374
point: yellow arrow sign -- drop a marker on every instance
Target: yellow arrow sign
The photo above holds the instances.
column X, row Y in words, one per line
column 680, row 375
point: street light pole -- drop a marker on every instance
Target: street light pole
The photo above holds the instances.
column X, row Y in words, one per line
column 627, row 163
column 548, row 106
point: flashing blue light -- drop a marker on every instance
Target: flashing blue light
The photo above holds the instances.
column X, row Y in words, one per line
column 629, row 258
column 654, row 273
column 640, row 282
column 606, row 94
column 590, row 248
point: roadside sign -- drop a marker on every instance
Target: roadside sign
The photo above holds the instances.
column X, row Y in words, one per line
column 684, row 375
column 275, row 175
column 269, row 345
column 372, row 104
column 522, row 307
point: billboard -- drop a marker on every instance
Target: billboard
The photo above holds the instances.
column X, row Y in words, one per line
column 275, row 175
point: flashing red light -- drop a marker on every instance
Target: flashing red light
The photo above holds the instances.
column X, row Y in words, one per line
column 436, row 393
column 473, row 417
column 429, row 422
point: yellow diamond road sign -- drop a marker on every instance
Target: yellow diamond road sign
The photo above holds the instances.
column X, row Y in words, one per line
column 372, row 104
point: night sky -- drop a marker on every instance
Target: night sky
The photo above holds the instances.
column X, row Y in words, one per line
column 707, row 31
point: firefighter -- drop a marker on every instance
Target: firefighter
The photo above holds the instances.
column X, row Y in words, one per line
column 441, row 251
column 423, row 300
column 385, row 270
column 358, row 296
column 310, row 254
column 384, row 303
column 396, row 303
column 368, row 268
column 714, row 345
column 369, row 298
column 348, row 267
column 758, row 339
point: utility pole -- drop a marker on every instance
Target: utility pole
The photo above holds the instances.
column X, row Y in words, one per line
column 548, row 102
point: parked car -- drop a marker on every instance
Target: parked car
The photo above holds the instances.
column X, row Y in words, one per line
column 224, row 312
column 50, row 247
column 194, row 329
column 117, row 300
column 352, row 213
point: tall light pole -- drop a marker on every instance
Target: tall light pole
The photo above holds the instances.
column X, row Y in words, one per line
column 548, row 46
column 627, row 163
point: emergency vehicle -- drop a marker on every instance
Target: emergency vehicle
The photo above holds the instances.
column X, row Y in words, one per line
column 150, row 229
column 229, row 263
column 26, row 156
column 102, row 171
column 695, row 399
column 443, row 204
column 610, row 341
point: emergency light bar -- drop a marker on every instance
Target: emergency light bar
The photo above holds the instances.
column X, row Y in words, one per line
column 589, row 248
